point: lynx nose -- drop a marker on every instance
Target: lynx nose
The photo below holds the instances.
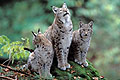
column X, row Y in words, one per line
column 85, row 34
column 65, row 13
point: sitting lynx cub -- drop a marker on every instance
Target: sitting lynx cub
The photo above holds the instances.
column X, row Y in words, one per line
column 81, row 42
column 41, row 59
column 60, row 34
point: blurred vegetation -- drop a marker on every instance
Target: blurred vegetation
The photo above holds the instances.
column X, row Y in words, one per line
column 15, row 50
column 19, row 17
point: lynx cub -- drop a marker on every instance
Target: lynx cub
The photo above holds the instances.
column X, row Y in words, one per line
column 41, row 59
column 81, row 42
column 60, row 34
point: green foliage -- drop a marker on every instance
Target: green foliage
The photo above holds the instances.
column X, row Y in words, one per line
column 15, row 50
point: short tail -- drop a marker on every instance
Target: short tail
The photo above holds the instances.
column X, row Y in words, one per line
column 30, row 50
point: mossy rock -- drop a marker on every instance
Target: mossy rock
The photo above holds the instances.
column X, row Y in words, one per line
column 76, row 72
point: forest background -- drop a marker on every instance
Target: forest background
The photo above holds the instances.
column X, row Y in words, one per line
column 19, row 17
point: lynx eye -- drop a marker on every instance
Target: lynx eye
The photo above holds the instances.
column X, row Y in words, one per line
column 37, row 46
column 60, row 10
column 88, row 29
column 55, row 10
column 83, row 29
column 37, row 39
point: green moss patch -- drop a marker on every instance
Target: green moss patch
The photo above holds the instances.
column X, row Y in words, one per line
column 77, row 72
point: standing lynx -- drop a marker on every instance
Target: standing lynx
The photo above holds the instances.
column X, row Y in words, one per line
column 60, row 34
column 41, row 59
column 81, row 42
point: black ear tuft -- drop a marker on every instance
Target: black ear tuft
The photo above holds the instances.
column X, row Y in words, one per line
column 90, row 24
column 33, row 34
column 81, row 24
column 38, row 30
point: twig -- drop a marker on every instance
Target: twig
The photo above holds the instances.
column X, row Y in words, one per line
column 7, row 78
column 9, row 61
column 6, row 61
column 15, row 70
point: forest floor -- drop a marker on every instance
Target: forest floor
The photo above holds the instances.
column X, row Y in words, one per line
column 76, row 72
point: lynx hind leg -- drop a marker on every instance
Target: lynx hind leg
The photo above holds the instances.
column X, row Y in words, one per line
column 85, row 63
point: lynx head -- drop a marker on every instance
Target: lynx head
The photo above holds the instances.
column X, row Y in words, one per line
column 62, row 13
column 85, row 29
column 37, row 38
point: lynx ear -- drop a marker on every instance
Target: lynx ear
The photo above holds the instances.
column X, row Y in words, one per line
column 34, row 34
column 81, row 24
column 90, row 24
column 54, row 9
column 39, row 31
column 64, row 5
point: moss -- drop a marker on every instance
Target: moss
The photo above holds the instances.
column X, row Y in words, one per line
column 76, row 72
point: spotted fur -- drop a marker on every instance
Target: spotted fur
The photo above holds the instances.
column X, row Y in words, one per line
column 81, row 42
column 41, row 59
column 60, row 34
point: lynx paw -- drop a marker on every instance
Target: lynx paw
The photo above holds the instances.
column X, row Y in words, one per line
column 67, row 65
column 79, row 62
column 62, row 67
column 85, row 64
column 48, row 76
column 25, row 66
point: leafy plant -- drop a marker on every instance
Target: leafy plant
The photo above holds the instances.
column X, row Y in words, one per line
column 15, row 49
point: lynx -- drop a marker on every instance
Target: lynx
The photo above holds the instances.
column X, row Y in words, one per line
column 81, row 42
column 40, row 60
column 60, row 34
